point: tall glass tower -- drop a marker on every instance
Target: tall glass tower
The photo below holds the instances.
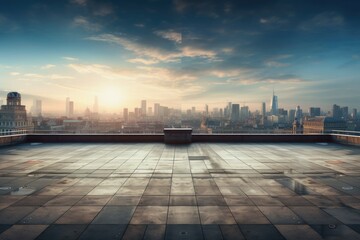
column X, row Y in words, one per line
column 274, row 104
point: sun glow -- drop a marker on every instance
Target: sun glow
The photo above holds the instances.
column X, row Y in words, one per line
column 111, row 98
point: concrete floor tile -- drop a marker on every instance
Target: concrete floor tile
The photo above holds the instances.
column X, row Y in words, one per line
column 79, row 215
column 114, row 215
column 150, row 215
column 183, row 215
column 23, row 232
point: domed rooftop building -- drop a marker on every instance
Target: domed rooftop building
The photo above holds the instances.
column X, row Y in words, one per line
column 13, row 98
column 13, row 118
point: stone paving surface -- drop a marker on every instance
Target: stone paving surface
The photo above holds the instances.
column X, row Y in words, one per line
column 197, row 191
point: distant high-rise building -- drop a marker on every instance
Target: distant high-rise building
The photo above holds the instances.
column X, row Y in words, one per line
column 291, row 115
column 263, row 109
column 126, row 114
column 143, row 107
column 354, row 114
column 228, row 108
column 156, row 109
column 206, row 110
column 37, row 108
column 137, row 112
column 67, row 106
column 298, row 113
column 282, row 112
column 193, row 110
column 71, row 108
column 235, row 112
column 96, row 105
column 344, row 112
column 314, row 111
column 244, row 113
column 221, row 112
column 336, row 112
column 274, row 104
column 150, row 112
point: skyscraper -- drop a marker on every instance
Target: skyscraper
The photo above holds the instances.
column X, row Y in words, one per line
column 344, row 112
column 228, row 110
column 37, row 108
column 336, row 112
column 291, row 115
column 314, row 111
column 126, row 114
column 143, row 108
column 244, row 113
column 298, row 113
column 71, row 109
column 274, row 104
column 235, row 112
column 263, row 109
column 354, row 114
column 156, row 109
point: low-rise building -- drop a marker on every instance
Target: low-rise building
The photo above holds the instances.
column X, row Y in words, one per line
column 323, row 125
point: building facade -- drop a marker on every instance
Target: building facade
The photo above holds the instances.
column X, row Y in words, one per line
column 323, row 125
column 13, row 116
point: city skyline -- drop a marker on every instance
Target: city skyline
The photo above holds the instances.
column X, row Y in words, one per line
column 181, row 53
column 64, row 110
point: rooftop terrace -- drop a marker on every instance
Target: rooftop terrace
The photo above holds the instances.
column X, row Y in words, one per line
column 196, row 191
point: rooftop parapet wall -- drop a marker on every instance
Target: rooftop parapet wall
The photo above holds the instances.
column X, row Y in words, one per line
column 261, row 138
column 131, row 138
column 346, row 139
column 12, row 139
column 141, row 138
column 194, row 138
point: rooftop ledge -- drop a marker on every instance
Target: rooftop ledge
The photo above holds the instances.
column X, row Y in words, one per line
column 180, row 136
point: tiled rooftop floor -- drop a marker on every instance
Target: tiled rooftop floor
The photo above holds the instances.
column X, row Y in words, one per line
column 156, row 191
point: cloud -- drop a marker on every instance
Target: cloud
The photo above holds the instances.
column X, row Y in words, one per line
column 166, row 79
column 139, row 49
column 48, row 66
column 323, row 20
column 143, row 61
column 70, row 58
column 44, row 77
column 275, row 64
column 14, row 73
column 139, row 25
column 275, row 61
column 79, row 2
column 103, row 10
column 5, row 66
column 170, row 35
column 155, row 52
column 190, row 51
column 280, row 79
column 180, row 5
column 81, row 21
column 222, row 73
column 273, row 21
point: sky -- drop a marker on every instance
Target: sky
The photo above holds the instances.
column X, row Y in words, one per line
column 181, row 53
